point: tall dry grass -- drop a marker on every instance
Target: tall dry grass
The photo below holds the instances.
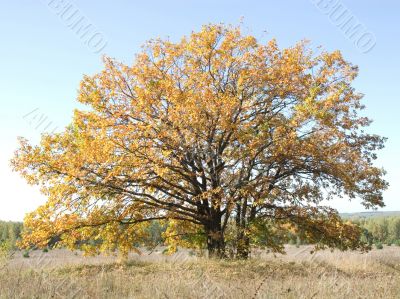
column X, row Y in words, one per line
column 298, row 274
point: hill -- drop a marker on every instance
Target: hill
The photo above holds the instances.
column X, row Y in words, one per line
column 370, row 214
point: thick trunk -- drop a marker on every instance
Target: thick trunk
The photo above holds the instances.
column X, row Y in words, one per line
column 216, row 245
column 215, row 239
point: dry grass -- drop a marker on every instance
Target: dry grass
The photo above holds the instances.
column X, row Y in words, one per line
column 62, row 274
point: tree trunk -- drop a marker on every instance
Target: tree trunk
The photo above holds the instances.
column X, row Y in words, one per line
column 242, row 239
column 215, row 240
column 243, row 245
column 216, row 246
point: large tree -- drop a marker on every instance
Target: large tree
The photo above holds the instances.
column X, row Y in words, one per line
column 215, row 130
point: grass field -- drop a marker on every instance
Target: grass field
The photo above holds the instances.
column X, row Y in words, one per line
column 298, row 274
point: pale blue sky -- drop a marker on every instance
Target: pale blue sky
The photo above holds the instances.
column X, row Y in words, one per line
column 42, row 61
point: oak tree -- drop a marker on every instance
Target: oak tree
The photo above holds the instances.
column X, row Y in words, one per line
column 215, row 130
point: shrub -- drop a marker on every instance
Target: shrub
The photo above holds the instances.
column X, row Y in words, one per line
column 378, row 245
column 45, row 250
column 5, row 250
column 397, row 242
column 26, row 254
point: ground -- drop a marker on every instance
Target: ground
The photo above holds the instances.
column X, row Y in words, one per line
column 298, row 274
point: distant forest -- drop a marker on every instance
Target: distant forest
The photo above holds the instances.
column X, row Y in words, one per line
column 10, row 232
column 378, row 228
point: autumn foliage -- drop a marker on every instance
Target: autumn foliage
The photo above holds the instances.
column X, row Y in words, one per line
column 213, row 133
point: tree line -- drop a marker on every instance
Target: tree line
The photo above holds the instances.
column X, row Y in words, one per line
column 380, row 229
column 10, row 232
column 375, row 230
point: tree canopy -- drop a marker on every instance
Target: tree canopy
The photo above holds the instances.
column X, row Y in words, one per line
column 217, row 129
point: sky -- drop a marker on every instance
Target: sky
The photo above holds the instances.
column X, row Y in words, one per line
column 44, row 55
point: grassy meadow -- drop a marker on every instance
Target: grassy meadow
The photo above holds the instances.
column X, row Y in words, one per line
column 298, row 274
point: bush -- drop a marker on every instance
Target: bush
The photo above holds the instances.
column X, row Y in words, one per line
column 45, row 250
column 5, row 249
column 26, row 254
column 378, row 245
column 397, row 242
